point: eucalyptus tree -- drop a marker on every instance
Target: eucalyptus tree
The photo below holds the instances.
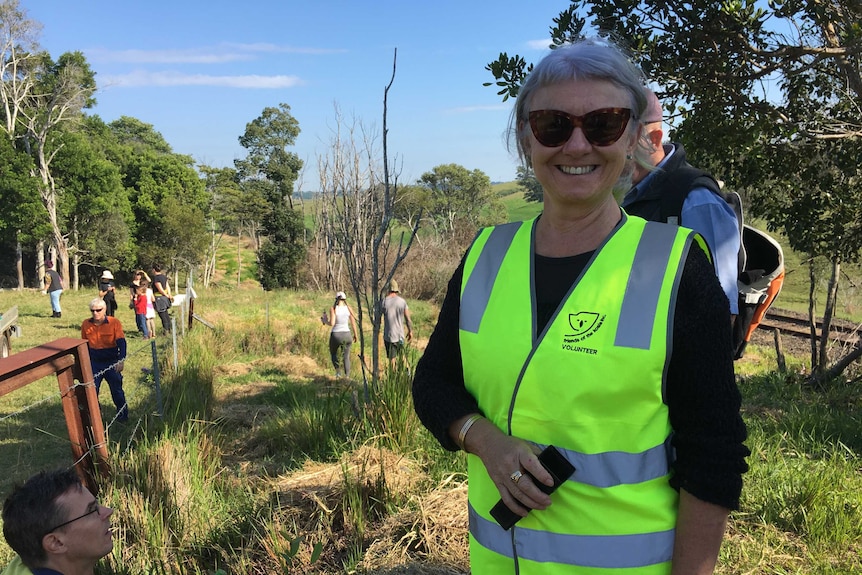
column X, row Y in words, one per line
column 94, row 206
column 748, row 86
column 267, row 139
column 234, row 206
column 40, row 97
column 271, row 170
column 60, row 92
column 460, row 198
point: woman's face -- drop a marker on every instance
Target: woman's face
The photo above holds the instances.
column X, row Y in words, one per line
column 578, row 173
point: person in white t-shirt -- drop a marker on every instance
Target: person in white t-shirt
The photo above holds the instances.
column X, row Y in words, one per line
column 340, row 337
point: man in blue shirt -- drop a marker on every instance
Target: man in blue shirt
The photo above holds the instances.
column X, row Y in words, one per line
column 703, row 210
column 56, row 526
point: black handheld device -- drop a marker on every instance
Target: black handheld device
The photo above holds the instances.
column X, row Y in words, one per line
column 555, row 464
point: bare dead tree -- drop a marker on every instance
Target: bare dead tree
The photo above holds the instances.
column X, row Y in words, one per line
column 355, row 211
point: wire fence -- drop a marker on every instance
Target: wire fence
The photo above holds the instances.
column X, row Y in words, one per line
column 33, row 434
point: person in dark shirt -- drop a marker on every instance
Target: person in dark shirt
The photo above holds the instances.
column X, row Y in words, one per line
column 53, row 285
column 107, row 291
column 162, row 291
column 56, row 526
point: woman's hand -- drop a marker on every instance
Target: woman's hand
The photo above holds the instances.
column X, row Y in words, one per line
column 503, row 456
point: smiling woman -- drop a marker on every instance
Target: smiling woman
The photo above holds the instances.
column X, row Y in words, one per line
column 650, row 369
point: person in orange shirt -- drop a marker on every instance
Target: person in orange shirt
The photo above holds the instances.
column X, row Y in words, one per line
column 107, row 344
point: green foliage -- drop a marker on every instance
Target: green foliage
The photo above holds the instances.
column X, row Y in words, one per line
column 458, row 197
column 267, row 138
column 96, row 207
column 509, row 73
column 137, row 136
column 282, row 255
column 531, row 187
column 19, row 196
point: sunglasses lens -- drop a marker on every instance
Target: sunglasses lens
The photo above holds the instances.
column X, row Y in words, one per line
column 603, row 127
column 551, row 128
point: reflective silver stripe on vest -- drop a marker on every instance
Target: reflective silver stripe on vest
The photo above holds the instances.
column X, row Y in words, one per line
column 637, row 314
column 474, row 298
column 604, row 551
column 613, row 468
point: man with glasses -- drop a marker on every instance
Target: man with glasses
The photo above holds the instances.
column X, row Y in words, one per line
column 107, row 344
column 56, row 526
column 704, row 208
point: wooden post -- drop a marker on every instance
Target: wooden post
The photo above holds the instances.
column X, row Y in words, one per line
column 779, row 351
column 69, row 359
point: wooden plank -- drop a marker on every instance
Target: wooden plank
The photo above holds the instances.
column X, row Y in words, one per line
column 26, row 375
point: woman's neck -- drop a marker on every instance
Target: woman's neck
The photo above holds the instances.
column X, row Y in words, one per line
column 569, row 234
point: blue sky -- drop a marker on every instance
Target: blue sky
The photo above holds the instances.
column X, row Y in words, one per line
column 199, row 71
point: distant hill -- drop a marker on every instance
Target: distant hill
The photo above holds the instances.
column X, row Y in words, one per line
column 513, row 198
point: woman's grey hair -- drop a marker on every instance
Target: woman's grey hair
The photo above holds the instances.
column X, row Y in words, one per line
column 587, row 59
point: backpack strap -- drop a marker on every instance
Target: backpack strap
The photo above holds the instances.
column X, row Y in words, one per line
column 676, row 186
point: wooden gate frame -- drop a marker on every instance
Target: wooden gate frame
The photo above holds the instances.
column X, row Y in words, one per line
column 69, row 359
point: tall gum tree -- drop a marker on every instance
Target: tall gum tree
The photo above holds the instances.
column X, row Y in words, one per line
column 40, row 96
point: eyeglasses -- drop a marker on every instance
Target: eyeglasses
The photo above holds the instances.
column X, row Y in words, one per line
column 602, row 127
column 97, row 310
column 90, row 512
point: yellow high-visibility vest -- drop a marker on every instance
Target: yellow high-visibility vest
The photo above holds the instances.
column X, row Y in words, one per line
column 591, row 384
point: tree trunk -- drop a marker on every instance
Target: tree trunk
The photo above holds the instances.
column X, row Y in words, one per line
column 48, row 194
column 812, row 318
column 828, row 312
column 19, row 260
column 40, row 264
column 76, row 259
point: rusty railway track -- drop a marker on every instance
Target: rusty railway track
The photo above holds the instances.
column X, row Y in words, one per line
column 796, row 324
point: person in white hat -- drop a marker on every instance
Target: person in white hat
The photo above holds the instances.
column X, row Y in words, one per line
column 106, row 292
column 340, row 337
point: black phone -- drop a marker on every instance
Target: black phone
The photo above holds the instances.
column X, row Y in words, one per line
column 555, row 464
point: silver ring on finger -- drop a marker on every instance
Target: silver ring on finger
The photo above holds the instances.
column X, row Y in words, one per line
column 516, row 476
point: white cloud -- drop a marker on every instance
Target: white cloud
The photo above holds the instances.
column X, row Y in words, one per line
column 227, row 52
column 169, row 79
column 192, row 56
column 539, row 44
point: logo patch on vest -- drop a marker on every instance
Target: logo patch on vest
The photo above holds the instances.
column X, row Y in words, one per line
column 585, row 324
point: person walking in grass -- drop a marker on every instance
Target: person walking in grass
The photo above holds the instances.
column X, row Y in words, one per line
column 341, row 318
column 396, row 316
column 53, row 286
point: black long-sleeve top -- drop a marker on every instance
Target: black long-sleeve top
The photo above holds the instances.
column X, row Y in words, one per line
column 702, row 396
